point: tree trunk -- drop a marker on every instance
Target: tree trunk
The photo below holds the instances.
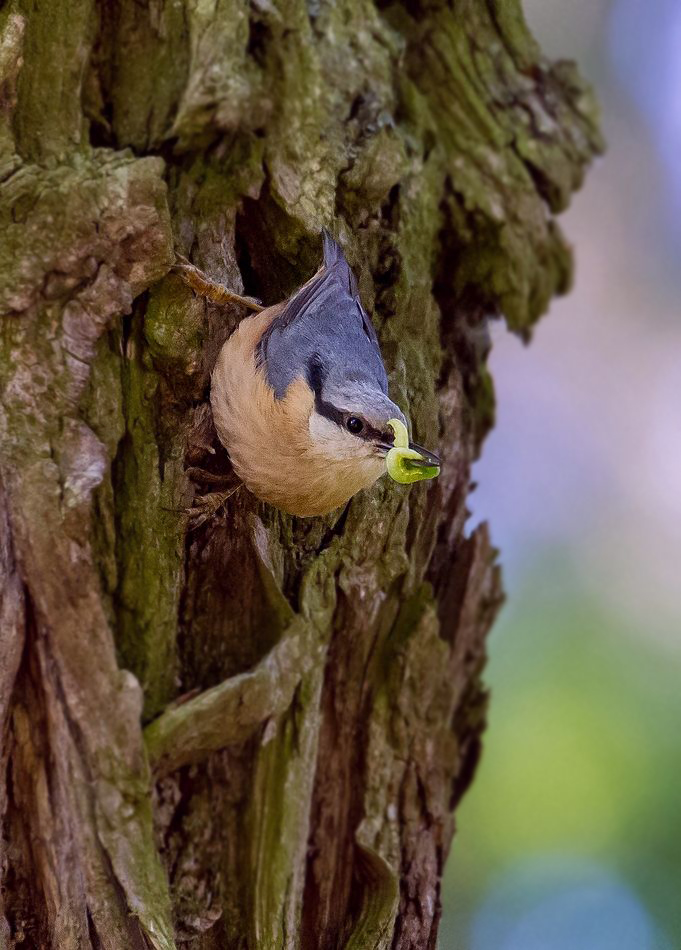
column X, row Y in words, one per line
column 252, row 732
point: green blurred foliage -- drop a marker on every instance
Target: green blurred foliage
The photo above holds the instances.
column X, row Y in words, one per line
column 582, row 757
column 581, row 482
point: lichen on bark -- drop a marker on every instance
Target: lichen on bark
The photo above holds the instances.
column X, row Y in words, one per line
column 309, row 690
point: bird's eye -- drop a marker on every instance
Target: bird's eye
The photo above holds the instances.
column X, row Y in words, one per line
column 354, row 425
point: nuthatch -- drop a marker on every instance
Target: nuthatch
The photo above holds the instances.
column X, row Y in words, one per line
column 300, row 395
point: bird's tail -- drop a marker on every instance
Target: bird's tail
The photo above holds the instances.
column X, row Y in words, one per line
column 332, row 250
column 335, row 259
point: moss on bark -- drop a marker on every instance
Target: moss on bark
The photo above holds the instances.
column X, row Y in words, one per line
column 311, row 689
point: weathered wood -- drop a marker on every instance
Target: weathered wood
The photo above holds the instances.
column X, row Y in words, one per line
column 252, row 733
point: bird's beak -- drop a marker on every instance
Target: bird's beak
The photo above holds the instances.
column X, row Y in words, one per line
column 412, row 464
column 425, row 457
column 428, row 459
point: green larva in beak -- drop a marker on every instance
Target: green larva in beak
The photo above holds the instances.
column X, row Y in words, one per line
column 408, row 463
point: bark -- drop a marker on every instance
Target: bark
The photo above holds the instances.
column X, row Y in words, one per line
column 251, row 733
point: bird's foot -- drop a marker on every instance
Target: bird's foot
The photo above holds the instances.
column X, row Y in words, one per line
column 202, row 476
column 210, row 289
column 207, row 506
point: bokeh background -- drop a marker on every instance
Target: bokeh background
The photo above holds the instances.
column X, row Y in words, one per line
column 571, row 836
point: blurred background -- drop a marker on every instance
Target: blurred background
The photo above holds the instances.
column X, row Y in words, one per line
column 571, row 836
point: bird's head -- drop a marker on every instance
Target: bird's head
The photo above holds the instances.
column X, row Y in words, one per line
column 355, row 423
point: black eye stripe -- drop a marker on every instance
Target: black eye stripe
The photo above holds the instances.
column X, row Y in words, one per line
column 316, row 373
column 340, row 417
column 369, row 433
column 316, row 376
column 372, row 434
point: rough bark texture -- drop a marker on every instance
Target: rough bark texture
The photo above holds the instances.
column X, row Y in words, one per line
column 253, row 733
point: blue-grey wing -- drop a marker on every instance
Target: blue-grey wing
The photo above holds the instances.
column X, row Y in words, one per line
column 324, row 323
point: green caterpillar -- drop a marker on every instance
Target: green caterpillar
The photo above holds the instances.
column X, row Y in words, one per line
column 406, row 465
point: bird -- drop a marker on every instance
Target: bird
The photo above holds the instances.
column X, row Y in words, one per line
column 299, row 395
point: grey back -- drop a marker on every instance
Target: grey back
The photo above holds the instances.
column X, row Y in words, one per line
column 324, row 325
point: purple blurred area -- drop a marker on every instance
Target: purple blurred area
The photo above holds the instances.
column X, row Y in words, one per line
column 581, row 482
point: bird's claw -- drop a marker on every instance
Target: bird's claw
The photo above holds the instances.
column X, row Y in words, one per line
column 207, row 506
column 202, row 476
